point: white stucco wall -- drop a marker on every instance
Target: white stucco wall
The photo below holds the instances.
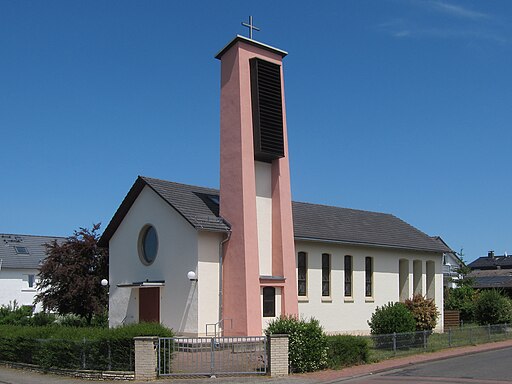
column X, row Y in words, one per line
column 208, row 282
column 14, row 286
column 177, row 254
column 263, row 173
column 340, row 314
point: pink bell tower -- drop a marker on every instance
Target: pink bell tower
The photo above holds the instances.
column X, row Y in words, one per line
column 259, row 273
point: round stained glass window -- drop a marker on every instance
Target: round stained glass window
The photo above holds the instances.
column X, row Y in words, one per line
column 148, row 247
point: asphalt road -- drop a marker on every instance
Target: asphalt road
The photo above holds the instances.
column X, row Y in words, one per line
column 484, row 367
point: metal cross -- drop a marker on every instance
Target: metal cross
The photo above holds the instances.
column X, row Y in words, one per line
column 250, row 26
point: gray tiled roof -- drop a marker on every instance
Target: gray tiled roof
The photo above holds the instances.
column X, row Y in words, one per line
column 311, row 221
column 496, row 278
column 9, row 258
column 191, row 202
column 486, row 262
column 327, row 223
column 492, row 282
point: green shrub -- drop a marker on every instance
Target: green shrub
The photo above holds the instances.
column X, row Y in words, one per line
column 100, row 320
column 72, row 320
column 346, row 350
column 390, row 318
column 14, row 314
column 492, row 307
column 424, row 312
column 462, row 299
column 307, row 342
column 41, row 319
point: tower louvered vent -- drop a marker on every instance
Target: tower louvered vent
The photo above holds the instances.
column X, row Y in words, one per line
column 267, row 110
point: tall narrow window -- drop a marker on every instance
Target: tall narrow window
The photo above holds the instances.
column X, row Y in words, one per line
column 348, row 275
column 269, row 302
column 368, row 270
column 326, row 274
column 31, row 281
column 302, row 272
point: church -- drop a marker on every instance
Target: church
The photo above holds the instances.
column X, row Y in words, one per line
column 226, row 262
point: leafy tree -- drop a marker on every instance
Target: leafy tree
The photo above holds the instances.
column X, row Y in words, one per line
column 70, row 277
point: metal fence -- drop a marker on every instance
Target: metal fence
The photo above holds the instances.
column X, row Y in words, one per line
column 212, row 356
column 383, row 346
column 101, row 355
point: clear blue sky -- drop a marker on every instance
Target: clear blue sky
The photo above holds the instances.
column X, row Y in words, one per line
column 395, row 106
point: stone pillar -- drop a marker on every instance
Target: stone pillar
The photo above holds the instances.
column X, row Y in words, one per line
column 146, row 360
column 278, row 355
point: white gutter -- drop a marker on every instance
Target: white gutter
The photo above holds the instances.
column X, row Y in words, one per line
column 221, row 257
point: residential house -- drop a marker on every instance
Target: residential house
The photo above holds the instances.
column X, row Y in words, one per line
column 20, row 259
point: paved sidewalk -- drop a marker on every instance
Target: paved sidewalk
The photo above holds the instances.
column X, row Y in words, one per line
column 16, row 376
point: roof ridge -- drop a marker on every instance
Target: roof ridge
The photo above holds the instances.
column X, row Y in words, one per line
column 177, row 183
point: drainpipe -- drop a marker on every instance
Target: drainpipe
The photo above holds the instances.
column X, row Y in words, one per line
column 221, row 257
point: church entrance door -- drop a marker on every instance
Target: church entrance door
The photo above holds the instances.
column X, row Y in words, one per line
column 149, row 305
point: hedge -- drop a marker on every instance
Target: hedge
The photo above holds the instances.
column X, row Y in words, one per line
column 75, row 348
column 346, row 350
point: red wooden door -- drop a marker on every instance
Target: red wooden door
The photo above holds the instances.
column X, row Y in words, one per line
column 149, row 305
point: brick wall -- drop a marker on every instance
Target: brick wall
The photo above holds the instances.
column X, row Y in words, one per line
column 146, row 358
column 278, row 355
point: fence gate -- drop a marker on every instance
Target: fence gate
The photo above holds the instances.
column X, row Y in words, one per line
column 209, row 356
